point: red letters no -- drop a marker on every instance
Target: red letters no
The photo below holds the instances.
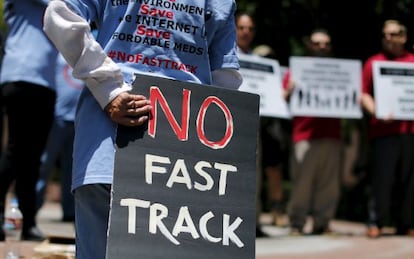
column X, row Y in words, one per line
column 157, row 97
column 200, row 123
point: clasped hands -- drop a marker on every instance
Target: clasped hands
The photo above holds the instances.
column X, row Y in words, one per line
column 129, row 109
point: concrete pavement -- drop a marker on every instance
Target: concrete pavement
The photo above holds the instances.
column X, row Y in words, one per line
column 348, row 241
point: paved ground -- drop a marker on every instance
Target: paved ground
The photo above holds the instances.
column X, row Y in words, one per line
column 348, row 242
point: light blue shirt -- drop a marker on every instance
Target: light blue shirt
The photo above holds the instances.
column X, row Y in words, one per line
column 29, row 55
column 179, row 39
column 68, row 90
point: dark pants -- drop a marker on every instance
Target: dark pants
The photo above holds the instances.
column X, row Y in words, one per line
column 29, row 109
column 392, row 178
column 59, row 147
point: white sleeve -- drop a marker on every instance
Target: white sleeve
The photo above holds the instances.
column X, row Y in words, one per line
column 71, row 35
column 226, row 77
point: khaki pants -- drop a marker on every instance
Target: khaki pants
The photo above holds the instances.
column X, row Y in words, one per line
column 315, row 176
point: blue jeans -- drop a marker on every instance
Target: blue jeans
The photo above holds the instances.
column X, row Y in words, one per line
column 59, row 147
column 92, row 203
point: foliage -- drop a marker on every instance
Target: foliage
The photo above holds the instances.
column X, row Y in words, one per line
column 2, row 23
column 353, row 24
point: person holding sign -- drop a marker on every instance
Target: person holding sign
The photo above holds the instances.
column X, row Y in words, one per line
column 192, row 41
column 273, row 152
column 269, row 153
column 391, row 144
column 28, row 98
column 316, row 156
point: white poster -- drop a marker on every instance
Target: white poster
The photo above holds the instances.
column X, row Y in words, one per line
column 394, row 89
column 325, row 87
column 262, row 76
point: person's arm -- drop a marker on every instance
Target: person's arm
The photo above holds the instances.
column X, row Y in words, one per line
column 287, row 92
column 222, row 47
column 226, row 77
column 288, row 86
column 368, row 103
column 71, row 35
column 367, row 100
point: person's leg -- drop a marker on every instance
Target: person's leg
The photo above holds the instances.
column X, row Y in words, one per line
column 8, row 162
column 302, row 169
column 92, row 206
column 67, row 200
column 29, row 111
column 274, row 177
column 326, row 184
column 31, row 144
column 383, row 164
column 405, row 188
column 259, row 181
column 48, row 160
column 271, row 163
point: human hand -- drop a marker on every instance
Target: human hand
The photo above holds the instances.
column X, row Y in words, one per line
column 129, row 109
column 388, row 119
column 289, row 89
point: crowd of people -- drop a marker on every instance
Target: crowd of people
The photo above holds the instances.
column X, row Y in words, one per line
column 316, row 156
column 40, row 98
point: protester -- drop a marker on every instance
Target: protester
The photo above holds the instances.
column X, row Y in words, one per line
column 59, row 147
column 391, row 145
column 245, row 32
column 27, row 79
column 273, row 152
column 315, row 158
column 106, row 102
column 245, row 35
column 1, row 102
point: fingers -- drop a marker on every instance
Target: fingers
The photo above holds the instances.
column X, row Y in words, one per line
column 140, row 108
column 129, row 110
column 132, row 121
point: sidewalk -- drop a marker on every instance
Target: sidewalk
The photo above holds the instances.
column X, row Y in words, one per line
column 348, row 242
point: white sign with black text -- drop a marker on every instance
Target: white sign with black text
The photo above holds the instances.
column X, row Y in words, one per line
column 325, row 87
column 394, row 89
column 262, row 76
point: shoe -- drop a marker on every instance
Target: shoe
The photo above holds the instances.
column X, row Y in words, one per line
column 373, row 232
column 260, row 233
column 405, row 232
column 68, row 219
column 2, row 236
column 33, row 234
column 410, row 233
column 279, row 219
column 294, row 231
column 322, row 231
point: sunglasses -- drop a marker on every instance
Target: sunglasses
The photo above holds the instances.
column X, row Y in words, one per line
column 321, row 43
column 242, row 28
column 391, row 34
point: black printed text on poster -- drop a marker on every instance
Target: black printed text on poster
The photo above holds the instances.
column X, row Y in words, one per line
column 393, row 89
column 184, row 184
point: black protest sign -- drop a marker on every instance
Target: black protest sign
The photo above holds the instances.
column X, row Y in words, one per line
column 184, row 184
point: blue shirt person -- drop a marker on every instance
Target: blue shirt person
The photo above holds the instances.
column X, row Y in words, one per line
column 182, row 39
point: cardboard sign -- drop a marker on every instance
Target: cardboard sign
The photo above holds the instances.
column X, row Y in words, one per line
column 262, row 76
column 325, row 87
column 184, row 184
column 394, row 89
